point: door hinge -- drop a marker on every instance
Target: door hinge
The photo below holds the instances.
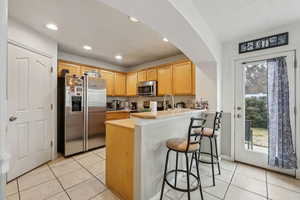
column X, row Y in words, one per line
column 51, row 106
column 51, row 143
column 295, row 110
column 51, row 69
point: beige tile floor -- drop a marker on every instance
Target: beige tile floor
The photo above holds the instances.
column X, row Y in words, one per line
column 82, row 177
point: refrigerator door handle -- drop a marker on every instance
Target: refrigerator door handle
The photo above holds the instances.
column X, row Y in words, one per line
column 85, row 136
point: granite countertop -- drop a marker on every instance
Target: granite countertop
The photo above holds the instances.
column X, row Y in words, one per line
column 126, row 123
column 161, row 114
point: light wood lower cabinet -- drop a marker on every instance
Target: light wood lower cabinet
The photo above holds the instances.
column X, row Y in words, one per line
column 182, row 78
column 120, row 161
column 131, row 84
column 120, row 84
column 164, row 78
column 109, row 77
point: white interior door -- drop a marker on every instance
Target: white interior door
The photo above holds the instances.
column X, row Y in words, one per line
column 251, row 109
column 29, row 100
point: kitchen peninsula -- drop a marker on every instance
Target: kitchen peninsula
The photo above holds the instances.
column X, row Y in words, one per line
column 135, row 151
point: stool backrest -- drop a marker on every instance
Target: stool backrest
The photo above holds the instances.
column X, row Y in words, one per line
column 191, row 127
column 217, row 121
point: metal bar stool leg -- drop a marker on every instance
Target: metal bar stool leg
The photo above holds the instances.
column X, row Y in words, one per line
column 201, row 137
column 176, row 169
column 212, row 161
column 217, row 155
column 188, row 176
column 198, row 174
column 165, row 173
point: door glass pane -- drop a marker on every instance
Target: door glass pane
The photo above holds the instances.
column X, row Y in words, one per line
column 256, row 117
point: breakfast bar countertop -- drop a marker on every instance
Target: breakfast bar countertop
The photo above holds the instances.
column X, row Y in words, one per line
column 162, row 114
column 125, row 123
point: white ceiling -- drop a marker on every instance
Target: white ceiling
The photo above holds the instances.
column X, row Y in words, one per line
column 232, row 19
column 89, row 22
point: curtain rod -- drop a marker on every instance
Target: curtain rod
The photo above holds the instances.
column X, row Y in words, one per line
column 243, row 63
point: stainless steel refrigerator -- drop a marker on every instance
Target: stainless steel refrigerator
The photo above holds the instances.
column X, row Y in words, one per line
column 81, row 114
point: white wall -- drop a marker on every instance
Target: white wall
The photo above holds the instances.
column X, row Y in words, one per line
column 3, row 69
column 23, row 35
column 206, row 84
column 230, row 55
column 89, row 61
column 157, row 62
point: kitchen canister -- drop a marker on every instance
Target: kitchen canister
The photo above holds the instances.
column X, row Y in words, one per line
column 153, row 106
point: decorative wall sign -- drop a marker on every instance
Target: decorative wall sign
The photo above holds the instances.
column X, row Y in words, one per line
column 264, row 43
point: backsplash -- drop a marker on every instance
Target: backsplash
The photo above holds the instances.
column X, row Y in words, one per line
column 188, row 100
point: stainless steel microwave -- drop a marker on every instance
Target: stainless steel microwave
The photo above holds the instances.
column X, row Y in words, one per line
column 147, row 88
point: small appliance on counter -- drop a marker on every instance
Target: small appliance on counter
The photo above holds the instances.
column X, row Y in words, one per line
column 133, row 106
column 180, row 105
column 160, row 105
column 146, row 104
column 153, row 106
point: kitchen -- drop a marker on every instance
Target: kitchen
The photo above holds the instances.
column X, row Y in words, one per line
column 99, row 98
column 131, row 83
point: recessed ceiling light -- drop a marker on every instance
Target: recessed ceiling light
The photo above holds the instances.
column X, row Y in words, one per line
column 118, row 57
column 52, row 27
column 165, row 40
column 86, row 47
column 133, row 19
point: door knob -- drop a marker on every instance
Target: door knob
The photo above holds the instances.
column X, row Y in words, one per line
column 12, row 118
column 238, row 116
column 239, row 108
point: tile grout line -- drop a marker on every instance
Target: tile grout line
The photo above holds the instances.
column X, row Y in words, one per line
column 58, row 182
column 93, row 176
column 89, row 171
column 19, row 193
column 234, row 171
column 247, row 189
column 267, row 188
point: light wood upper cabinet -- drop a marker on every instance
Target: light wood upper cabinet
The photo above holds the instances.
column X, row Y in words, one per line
column 142, row 76
column 84, row 69
column 164, row 78
column 120, row 84
column 152, row 74
column 131, row 83
column 193, row 79
column 73, row 69
column 110, row 81
column 182, row 78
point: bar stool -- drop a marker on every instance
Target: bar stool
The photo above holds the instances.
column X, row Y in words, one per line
column 186, row 147
column 211, row 134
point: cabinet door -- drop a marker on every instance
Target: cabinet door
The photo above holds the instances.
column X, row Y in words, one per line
column 131, row 83
column 152, row 74
column 85, row 69
column 193, row 79
column 72, row 68
column 120, row 84
column 142, row 76
column 110, row 81
column 164, row 78
column 182, row 78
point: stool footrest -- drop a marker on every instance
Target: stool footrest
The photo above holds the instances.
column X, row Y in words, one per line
column 215, row 159
column 182, row 189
